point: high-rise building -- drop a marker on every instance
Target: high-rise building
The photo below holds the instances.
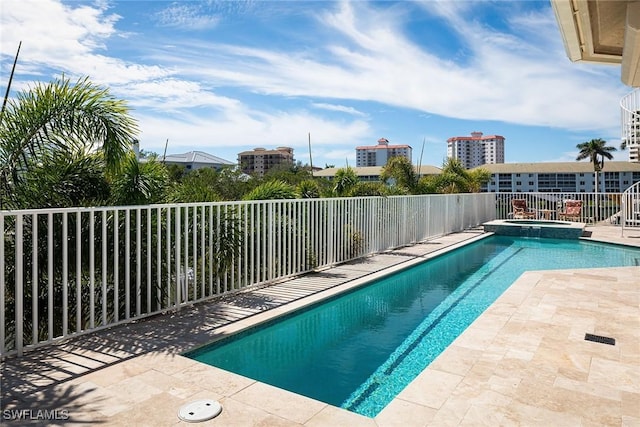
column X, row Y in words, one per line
column 260, row 160
column 476, row 150
column 378, row 155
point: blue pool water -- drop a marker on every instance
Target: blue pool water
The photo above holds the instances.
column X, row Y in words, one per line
column 359, row 350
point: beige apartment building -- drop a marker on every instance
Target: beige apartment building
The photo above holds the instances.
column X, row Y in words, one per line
column 260, row 160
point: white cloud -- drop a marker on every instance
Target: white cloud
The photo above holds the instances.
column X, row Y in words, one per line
column 339, row 108
column 67, row 39
column 523, row 80
column 249, row 128
column 204, row 91
column 173, row 95
column 187, row 16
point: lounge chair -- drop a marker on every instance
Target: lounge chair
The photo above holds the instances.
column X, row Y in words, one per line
column 520, row 209
column 572, row 210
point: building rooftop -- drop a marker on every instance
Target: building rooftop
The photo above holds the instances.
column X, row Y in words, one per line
column 560, row 167
column 196, row 157
column 260, row 150
column 475, row 136
column 375, row 171
column 381, row 147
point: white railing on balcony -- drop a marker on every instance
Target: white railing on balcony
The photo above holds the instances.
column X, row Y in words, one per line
column 65, row 272
column 630, row 116
column 630, row 208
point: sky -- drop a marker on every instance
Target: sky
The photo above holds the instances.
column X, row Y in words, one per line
column 228, row 76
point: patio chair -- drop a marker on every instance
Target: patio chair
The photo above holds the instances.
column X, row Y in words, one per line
column 520, row 209
column 572, row 210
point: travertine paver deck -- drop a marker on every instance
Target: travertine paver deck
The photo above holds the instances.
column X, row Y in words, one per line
column 523, row 362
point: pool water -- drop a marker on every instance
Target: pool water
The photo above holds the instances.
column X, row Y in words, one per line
column 359, row 350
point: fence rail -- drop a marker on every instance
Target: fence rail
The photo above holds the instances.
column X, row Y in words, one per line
column 596, row 207
column 65, row 272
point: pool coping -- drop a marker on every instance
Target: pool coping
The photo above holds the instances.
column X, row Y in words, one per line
column 148, row 387
column 543, row 228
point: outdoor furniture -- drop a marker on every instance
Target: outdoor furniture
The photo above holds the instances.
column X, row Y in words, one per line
column 520, row 209
column 546, row 214
column 572, row 210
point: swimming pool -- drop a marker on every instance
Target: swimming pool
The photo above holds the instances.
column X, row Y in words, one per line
column 359, row 350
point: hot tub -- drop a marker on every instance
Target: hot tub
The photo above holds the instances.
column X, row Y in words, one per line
column 535, row 228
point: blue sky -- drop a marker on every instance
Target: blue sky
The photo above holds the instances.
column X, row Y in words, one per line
column 228, row 76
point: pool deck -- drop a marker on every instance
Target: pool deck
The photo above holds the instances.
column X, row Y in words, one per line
column 524, row 361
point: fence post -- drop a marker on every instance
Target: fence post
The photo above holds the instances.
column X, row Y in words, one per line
column 19, row 293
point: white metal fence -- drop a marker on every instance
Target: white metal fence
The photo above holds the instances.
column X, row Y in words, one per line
column 65, row 272
column 630, row 208
column 596, row 207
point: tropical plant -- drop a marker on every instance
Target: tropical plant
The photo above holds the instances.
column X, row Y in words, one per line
column 344, row 180
column 454, row 178
column 192, row 191
column 139, row 183
column 290, row 173
column 272, row 190
column 64, row 118
column 62, row 180
column 401, row 171
column 230, row 183
column 362, row 189
column 206, row 184
column 596, row 150
column 477, row 177
column 308, row 189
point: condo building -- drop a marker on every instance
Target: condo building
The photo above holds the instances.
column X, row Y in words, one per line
column 260, row 160
column 378, row 155
column 476, row 150
column 559, row 177
column 551, row 177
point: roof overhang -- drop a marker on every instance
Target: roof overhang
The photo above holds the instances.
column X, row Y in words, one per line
column 602, row 31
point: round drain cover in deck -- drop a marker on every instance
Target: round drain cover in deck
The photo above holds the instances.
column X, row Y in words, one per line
column 200, row 410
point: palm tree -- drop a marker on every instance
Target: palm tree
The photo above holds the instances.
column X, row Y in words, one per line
column 454, row 178
column 344, row 180
column 402, row 172
column 595, row 150
column 63, row 118
column 272, row 190
column 140, row 183
column 59, row 142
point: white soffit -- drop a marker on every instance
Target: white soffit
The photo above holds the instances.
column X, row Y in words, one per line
column 592, row 31
column 631, row 53
column 569, row 29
